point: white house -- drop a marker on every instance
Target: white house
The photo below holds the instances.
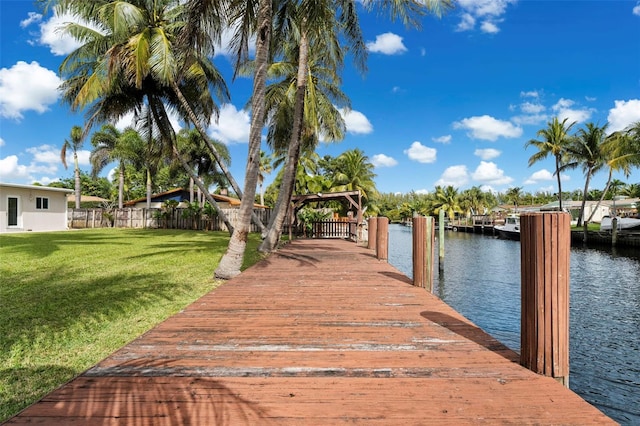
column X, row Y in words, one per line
column 32, row 208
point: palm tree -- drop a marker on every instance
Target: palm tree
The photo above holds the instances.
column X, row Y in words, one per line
column 446, row 199
column 137, row 59
column 355, row 173
column 554, row 140
column 265, row 168
column 321, row 118
column 109, row 145
column 242, row 14
column 586, row 150
column 514, row 195
column 317, row 26
column 75, row 143
column 474, row 200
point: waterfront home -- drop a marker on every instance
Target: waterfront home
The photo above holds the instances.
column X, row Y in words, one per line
column 32, row 208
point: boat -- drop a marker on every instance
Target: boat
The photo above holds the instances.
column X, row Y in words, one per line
column 624, row 223
column 511, row 228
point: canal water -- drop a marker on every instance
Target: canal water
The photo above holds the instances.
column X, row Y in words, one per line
column 481, row 280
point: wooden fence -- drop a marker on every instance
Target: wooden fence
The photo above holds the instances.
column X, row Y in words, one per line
column 326, row 229
column 151, row 218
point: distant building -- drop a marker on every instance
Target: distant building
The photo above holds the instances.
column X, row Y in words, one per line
column 32, row 208
column 574, row 207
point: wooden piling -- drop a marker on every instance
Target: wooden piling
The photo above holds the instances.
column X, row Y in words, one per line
column 423, row 252
column 614, row 232
column 441, row 240
column 382, row 238
column 419, row 252
column 372, row 231
column 545, row 240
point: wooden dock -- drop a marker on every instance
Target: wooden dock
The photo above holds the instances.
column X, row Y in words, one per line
column 319, row 333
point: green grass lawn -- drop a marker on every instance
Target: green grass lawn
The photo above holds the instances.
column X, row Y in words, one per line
column 69, row 299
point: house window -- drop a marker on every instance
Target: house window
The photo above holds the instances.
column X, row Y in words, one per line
column 42, row 203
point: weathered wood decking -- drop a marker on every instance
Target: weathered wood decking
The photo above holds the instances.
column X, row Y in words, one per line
column 319, row 333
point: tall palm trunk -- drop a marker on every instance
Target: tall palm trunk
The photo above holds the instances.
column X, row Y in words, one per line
column 149, row 188
column 161, row 117
column 584, row 222
column 231, row 262
column 559, row 184
column 293, row 154
column 76, row 175
column 201, row 185
column 223, row 167
column 121, row 186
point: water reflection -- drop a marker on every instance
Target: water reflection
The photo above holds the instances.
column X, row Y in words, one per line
column 481, row 280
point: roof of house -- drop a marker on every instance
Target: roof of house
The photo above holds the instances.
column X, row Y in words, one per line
column 34, row 187
column 87, row 198
column 181, row 194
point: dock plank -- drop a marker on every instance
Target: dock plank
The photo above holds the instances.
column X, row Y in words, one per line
column 319, row 333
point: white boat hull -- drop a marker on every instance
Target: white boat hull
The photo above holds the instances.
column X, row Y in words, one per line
column 624, row 224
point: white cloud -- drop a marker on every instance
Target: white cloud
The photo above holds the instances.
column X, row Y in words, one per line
column 488, row 128
column 356, row 122
column 445, row 139
column 487, row 154
column 591, row 98
column 623, row 114
column 543, row 175
column 564, row 109
column 422, row 191
column 530, row 119
column 51, row 35
column 420, row 153
column 532, row 108
column 48, row 157
column 487, row 11
column 489, row 27
column 388, row 44
column 381, row 160
column 125, row 121
column 232, row 126
column 467, row 22
column 532, row 112
column 10, row 170
column 33, row 17
column 456, row 176
column 488, row 172
column 530, row 94
column 1, row 142
column 25, row 87
column 636, row 9
column 225, row 49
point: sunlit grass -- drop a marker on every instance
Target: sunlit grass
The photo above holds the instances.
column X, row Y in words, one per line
column 69, row 299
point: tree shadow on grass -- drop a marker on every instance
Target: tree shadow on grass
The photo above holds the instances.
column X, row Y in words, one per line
column 22, row 386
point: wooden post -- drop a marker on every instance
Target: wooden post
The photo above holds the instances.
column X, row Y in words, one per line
column 382, row 239
column 614, row 232
column 441, row 240
column 372, row 232
column 545, row 240
column 419, row 251
column 423, row 249
column 430, row 250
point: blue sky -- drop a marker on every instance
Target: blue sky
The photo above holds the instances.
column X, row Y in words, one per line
column 451, row 104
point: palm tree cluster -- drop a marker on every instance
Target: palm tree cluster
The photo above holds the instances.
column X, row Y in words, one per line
column 350, row 171
column 592, row 149
column 154, row 57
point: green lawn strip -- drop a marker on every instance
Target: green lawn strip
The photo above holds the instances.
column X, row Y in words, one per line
column 69, row 299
